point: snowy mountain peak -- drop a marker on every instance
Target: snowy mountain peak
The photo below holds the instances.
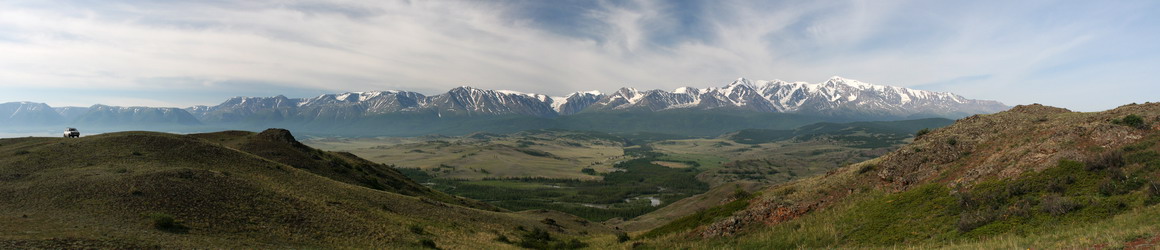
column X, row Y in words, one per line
column 742, row 82
column 836, row 96
column 853, row 83
column 687, row 90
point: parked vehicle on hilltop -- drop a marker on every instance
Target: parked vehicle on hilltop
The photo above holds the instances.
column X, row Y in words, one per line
column 71, row 133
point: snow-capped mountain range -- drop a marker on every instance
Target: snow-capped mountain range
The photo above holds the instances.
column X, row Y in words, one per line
column 467, row 109
column 834, row 97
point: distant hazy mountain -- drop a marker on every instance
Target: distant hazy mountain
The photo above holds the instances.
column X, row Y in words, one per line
column 28, row 114
column 114, row 116
column 837, row 97
column 738, row 105
column 71, row 113
column 575, row 102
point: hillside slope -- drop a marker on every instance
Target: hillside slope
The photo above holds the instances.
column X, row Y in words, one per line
column 145, row 190
column 280, row 146
column 1020, row 175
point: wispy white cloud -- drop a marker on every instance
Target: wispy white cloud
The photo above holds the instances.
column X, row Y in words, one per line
column 431, row 46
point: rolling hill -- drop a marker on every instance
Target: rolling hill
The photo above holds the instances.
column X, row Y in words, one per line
column 1030, row 177
column 236, row 190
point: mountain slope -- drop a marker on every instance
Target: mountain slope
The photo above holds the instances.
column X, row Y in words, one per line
column 1024, row 172
column 135, row 117
column 71, row 113
column 867, row 134
column 838, row 97
column 28, row 114
column 102, row 190
column 280, row 146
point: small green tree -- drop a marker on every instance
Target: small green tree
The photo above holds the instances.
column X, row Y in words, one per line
column 622, row 237
column 922, row 132
column 1132, row 120
column 588, row 171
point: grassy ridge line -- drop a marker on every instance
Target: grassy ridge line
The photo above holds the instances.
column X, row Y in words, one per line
column 950, row 202
column 280, row 146
column 94, row 188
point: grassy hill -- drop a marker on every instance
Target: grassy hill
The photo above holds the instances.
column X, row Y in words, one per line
column 235, row 190
column 280, row 146
column 857, row 134
column 569, row 170
column 1031, row 177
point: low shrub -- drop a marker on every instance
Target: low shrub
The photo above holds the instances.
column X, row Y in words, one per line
column 503, row 239
column 1152, row 189
column 166, row 222
column 1132, row 120
column 1059, row 205
column 1111, row 159
column 622, row 237
column 540, row 239
column 921, row 133
column 428, row 243
column 588, row 171
column 550, row 222
column 973, row 219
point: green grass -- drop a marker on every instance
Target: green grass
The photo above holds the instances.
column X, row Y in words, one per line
column 922, row 213
column 700, row 218
column 593, row 200
column 704, row 161
column 509, row 184
column 933, row 214
column 1045, row 208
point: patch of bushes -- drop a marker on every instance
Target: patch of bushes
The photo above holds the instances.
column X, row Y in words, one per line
column 540, row 239
column 921, row 133
column 550, row 222
column 1132, row 120
column 1152, row 192
column 416, row 229
column 622, row 237
column 503, row 239
column 166, row 222
column 1059, row 184
column 534, row 152
column 977, row 218
column 23, row 152
column 428, row 243
column 588, row 171
column 1111, row 159
column 1121, row 185
column 1059, row 205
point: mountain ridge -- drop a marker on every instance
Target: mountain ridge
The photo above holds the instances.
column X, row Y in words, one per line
column 837, row 99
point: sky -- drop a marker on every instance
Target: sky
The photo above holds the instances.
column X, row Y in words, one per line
column 1080, row 55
